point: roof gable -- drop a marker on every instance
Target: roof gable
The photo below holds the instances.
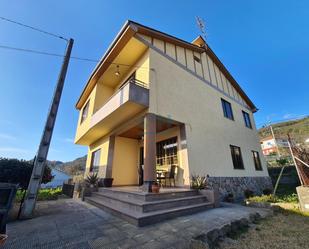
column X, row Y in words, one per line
column 130, row 29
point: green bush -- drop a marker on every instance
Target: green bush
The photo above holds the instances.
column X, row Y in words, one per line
column 19, row 172
column 198, row 182
column 248, row 193
column 44, row 194
column 291, row 198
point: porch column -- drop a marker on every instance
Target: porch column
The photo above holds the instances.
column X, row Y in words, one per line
column 149, row 151
column 110, row 157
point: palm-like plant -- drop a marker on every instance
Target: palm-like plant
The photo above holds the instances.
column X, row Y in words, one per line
column 92, row 179
column 198, row 182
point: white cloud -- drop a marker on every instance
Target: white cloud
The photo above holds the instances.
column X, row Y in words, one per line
column 69, row 140
column 292, row 115
column 7, row 136
column 13, row 149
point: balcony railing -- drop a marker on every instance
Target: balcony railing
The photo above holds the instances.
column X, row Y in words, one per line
column 133, row 91
column 136, row 82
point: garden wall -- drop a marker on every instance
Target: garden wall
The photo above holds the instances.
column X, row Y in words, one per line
column 237, row 185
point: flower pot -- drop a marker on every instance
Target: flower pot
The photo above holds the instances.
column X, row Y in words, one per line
column 107, row 182
column 155, row 188
column 3, row 238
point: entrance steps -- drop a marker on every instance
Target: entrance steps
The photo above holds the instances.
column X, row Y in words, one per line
column 143, row 209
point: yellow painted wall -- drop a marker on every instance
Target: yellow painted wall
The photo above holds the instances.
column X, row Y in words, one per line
column 103, row 145
column 125, row 164
column 185, row 98
column 84, row 126
column 103, row 93
column 207, row 69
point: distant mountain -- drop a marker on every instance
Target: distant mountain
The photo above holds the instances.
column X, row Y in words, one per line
column 75, row 167
column 298, row 130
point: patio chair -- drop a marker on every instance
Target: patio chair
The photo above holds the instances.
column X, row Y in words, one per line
column 172, row 174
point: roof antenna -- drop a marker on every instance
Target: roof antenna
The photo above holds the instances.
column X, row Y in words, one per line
column 202, row 27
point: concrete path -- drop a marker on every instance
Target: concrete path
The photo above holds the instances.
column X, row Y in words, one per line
column 67, row 223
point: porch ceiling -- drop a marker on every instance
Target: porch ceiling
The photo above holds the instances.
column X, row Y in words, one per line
column 137, row 131
column 126, row 58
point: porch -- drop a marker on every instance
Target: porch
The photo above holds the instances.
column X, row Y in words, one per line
column 141, row 208
column 143, row 151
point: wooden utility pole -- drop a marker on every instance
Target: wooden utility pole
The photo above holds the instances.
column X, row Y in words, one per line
column 41, row 156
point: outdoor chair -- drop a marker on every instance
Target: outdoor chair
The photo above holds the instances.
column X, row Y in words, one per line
column 170, row 175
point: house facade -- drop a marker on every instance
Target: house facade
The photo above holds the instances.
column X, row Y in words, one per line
column 270, row 145
column 154, row 101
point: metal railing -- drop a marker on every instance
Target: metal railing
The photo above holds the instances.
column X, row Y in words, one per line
column 134, row 81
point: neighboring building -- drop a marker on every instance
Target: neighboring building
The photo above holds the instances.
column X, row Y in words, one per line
column 59, row 178
column 154, row 101
column 269, row 145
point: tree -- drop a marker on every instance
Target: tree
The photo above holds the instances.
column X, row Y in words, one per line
column 19, row 172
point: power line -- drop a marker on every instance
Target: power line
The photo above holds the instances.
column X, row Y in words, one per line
column 33, row 28
column 60, row 55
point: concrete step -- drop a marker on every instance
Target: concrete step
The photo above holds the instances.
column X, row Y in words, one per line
column 122, row 193
column 148, row 206
column 142, row 219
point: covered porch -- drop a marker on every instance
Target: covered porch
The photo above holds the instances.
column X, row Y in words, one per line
column 150, row 149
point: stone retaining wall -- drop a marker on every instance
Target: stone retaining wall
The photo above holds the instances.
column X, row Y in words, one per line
column 237, row 185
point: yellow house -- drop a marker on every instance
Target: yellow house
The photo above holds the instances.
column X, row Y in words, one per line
column 157, row 104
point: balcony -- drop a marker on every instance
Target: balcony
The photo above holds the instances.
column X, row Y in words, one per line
column 128, row 101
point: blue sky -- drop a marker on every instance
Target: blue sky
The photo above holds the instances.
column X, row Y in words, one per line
column 264, row 44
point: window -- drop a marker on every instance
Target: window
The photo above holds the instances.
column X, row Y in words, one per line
column 257, row 161
column 227, row 109
column 84, row 112
column 247, row 119
column 95, row 161
column 236, row 157
column 167, row 152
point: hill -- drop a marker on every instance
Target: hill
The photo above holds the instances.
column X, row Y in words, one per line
column 75, row 167
column 298, row 130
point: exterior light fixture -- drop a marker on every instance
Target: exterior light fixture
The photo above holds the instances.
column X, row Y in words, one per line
column 117, row 73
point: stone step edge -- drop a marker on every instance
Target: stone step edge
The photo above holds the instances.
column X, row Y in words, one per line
column 148, row 203
column 148, row 194
column 140, row 215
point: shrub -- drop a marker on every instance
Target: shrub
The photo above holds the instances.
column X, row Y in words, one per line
column 229, row 197
column 267, row 191
column 92, row 179
column 248, row 193
column 292, row 198
column 19, row 172
column 44, row 194
column 262, row 198
column 198, row 182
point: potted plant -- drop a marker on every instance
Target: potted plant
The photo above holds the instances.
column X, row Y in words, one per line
column 198, row 182
column 155, row 188
column 3, row 238
column 92, row 181
column 201, row 184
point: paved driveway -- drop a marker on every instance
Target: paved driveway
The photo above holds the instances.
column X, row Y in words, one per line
column 68, row 223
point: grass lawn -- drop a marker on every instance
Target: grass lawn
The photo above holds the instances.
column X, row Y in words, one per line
column 286, row 229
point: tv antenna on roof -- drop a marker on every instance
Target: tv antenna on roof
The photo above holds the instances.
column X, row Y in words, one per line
column 202, row 27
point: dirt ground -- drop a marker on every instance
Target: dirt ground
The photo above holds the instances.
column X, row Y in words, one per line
column 286, row 229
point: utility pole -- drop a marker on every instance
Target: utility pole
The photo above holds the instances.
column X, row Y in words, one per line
column 41, row 156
